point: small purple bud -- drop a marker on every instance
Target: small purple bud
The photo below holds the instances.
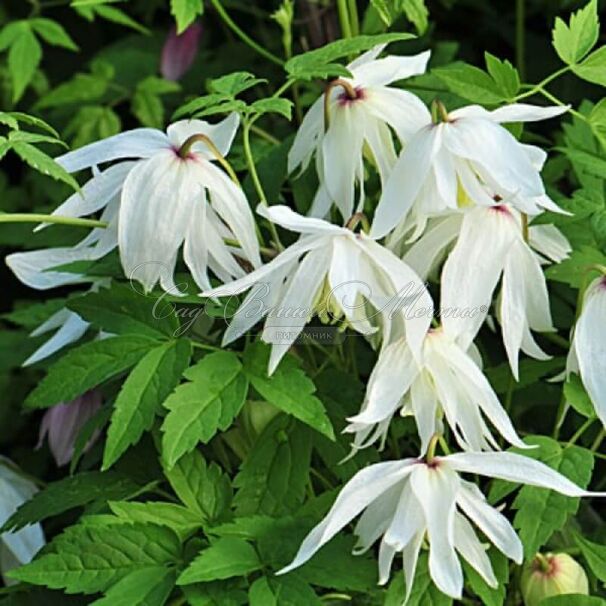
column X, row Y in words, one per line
column 180, row 51
column 62, row 424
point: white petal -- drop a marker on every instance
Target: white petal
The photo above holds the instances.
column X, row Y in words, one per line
column 367, row 57
column 386, row 556
column 516, row 468
column 307, row 137
column 365, row 487
column 436, row 489
column 221, row 134
column 379, row 139
column 410, row 557
column 550, row 242
column 406, row 180
column 73, row 327
column 407, row 520
column 155, row 212
column 195, row 250
column 392, row 68
column 425, row 409
column 590, row 345
column 523, row 112
column 137, row 143
column 491, row 522
column 474, row 553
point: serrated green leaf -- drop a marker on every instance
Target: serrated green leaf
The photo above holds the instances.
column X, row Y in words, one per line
column 115, row 15
column 27, row 137
column 199, row 104
column 273, row 477
column 470, row 83
column 595, row 554
column 384, row 10
column 490, row 596
column 593, row 68
column 182, row 520
column 81, row 88
column 289, row 389
column 504, row 74
column 282, row 591
column 42, row 163
column 71, row 492
column 91, row 123
column 90, row 559
column 121, row 310
column 318, row 63
column 577, row 397
column 273, row 106
column 225, row 558
column 140, row 399
column 573, row 41
column 209, row 403
column 573, row 270
column 87, row 366
column 148, row 108
column 416, row 12
column 202, row 488
column 23, row 59
column 53, row 33
column 185, row 12
column 145, row 587
column 233, row 84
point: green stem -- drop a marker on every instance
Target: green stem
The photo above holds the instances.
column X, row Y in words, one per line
column 521, row 37
column 344, row 18
column 242, row 35
column 598, row 441
column 534, row 89
column 354, row 19
column 264, row 135
column 580, row 432
column 38, row 218
column 257, row 182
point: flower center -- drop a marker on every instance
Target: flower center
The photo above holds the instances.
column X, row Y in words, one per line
column 346, row 98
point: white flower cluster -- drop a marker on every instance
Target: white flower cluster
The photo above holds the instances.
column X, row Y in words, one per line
column 456, row 187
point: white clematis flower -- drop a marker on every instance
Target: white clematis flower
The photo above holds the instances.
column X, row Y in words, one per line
column 445, row 382
column 163, row 200
column 406, row 501
column 329, row 270
column 362, row 111
column 589, row 345
column 490, row 244
column 448, row 164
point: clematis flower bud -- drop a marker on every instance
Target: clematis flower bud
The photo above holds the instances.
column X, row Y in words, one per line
column 62, row 424
column 179, row 52
column 550, row 575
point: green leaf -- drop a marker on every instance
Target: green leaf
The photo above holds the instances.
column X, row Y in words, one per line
column 140, row 399
column 273, row 477
column 71, row 492
column 542, row 512
column 185, row 12
column 209, row 403
column 289, row 389
column 595, row 554
column 148, row 108
column 87, row 366
column 273, row 106
column 203, row 489
column 572, row 600
column 199, row 104
column 489, row 595
column 115, row 15
column 53, row 33
column 416, row 12
column 146, row 587
column 81, row 88
column 282, row 591
column 180, row 519
column 10, row 33
column 90, row 559
column 593, row 68
column 577, row 397
column 91, row 123
column 32, row 121
column 573, row 270
column 383, row 10
column 470, row 83
column 121, row 310
column 233, row 84
column 504, row 74
column 23, row 59
column 225, row 558
column 44, row 164
column 573, row 41
column 318, row 63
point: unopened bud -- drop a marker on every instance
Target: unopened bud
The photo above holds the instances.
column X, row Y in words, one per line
column 551, row 575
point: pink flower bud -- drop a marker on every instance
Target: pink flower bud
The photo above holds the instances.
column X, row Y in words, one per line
column 62, row 424
column 180, row 51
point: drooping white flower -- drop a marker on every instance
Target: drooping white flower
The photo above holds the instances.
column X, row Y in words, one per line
column 16, row 547
column 490, row 244
column 362, row 113
column 406, row 501
column 448, row 164
column 164, row 201
column 589, row 345
column 443, row 382
column 329, row 270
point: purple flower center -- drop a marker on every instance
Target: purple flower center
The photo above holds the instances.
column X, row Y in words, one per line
column 344, row 98
column 501, row 208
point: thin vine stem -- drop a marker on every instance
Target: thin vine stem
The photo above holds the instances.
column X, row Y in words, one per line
column 55, row 219
column 343, row 10
column 243, row 35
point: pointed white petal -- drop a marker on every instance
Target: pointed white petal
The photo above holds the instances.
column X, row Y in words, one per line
column 307, row 137
column 195, row 249
column 221, row 134
column 436, row 490
column 550, row 242
column 367, row 57
column 523, row 112
column 365, row 487
column 386, row 556
column 407, row 520
column 293, row 221
column 137, row 143
column 516, row 468
column 410, row 557
column 474, row 553
column 379, row 139
column 392, row 68
column 425, row 409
